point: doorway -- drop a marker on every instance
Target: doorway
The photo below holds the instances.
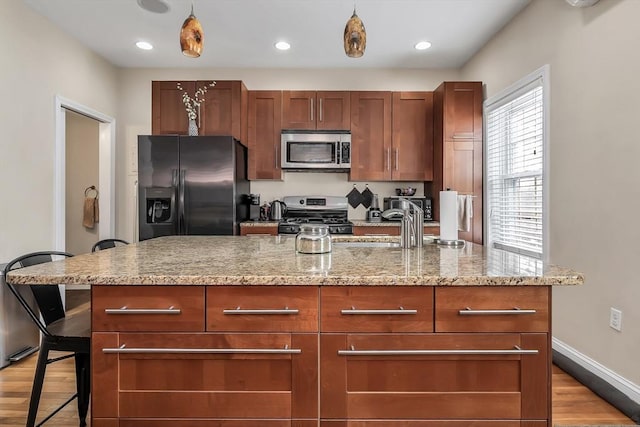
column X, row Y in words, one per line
column 106, row 167
column 105, row 176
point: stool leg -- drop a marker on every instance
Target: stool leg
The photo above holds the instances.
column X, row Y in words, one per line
column 38, row 380
column 83, row 385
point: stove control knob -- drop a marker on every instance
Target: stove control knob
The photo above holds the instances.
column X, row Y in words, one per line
column 301, row 201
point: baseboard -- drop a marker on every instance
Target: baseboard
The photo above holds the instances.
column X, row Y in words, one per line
column 615, row 389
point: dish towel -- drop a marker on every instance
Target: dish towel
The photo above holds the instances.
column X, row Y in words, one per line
column 465, row 212
column 90, row 211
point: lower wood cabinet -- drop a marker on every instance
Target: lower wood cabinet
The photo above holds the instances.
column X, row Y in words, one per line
column 336, row 356
column 262, row 230
column 389, row 230
column 434, row 376
column 208, row 375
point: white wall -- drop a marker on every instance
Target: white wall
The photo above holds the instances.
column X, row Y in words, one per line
column 594, row 155
column 37, row 62
column 135, row 119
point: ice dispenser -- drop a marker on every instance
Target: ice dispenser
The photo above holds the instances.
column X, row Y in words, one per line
column 159, row 203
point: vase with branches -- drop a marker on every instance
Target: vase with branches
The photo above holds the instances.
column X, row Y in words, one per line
column 192, row 105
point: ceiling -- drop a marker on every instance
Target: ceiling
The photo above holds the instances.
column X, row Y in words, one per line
column 241, row 33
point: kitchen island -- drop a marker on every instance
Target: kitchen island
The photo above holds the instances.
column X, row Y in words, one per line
column 244, row 332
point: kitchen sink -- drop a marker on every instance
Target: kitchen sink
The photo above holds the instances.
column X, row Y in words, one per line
column 347, row 244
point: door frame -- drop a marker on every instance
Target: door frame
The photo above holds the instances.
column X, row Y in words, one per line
column 106, row 176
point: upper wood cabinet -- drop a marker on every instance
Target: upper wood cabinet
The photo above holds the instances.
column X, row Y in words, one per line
column 223, row 111
column 457, row 163
column 370, row 136
column 412, row 136
column 311, row 110
column 168, row 115
column 264, row 129
column 391, row 136
column 462, row 111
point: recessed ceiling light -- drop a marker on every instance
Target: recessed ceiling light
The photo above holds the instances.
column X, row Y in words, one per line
column 282, row 45
column 155, row 6
column 422, row 45
column 144, row 45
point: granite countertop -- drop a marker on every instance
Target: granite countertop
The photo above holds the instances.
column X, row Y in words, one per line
column 272, row 260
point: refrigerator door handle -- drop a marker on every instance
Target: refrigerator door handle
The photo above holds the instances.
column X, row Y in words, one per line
column 181, row 213
column 174, row 201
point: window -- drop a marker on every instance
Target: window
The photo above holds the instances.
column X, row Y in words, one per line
column 515, row 166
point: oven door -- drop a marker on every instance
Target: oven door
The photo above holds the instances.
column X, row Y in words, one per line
column 311, row 151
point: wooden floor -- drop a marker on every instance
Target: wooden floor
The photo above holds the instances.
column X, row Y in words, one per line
column 573, row 404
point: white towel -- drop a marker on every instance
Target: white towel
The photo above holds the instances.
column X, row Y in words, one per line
column 465, row 212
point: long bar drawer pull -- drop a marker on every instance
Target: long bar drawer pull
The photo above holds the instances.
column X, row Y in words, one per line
column 354, row 352
column 138, row 350
column 516, row 310
column 126, row 310
column 400, row 310
column 239, row 310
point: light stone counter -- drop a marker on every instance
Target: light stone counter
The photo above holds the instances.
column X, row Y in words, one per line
column 272, row 260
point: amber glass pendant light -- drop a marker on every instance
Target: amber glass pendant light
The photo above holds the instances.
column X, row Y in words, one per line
column 191, row 36
column 355, row 37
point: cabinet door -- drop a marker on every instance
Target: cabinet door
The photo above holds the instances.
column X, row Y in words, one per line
column 370, row 136
column 333, row 110
column 221, row 112
column 463, row 110
column 412, row 139
column 205, row 376
column 168, row 113
column 264, row 118
column 434, row 376
column 298, row 109
column 458, row 151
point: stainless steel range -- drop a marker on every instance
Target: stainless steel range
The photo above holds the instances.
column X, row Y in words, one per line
column 330, row 210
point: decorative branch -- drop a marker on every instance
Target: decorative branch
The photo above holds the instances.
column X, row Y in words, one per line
column 192, row 104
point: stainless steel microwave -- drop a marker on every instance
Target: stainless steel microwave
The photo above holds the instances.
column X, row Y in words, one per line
column 315, row 150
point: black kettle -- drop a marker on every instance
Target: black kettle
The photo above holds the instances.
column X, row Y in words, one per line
column 277, row 209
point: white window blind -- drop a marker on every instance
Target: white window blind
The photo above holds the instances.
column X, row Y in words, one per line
column 514, row 170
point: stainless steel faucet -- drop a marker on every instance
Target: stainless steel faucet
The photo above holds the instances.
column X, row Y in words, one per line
column 411, row 225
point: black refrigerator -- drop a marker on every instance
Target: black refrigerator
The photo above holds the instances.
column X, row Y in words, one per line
column 191, row 185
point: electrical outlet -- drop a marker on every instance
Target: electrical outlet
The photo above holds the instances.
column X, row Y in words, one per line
column 615, row 319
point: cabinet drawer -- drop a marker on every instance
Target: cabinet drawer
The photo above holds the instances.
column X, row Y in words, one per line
column 203, row 375
column 147, row 308
column 434, row 376
column 262, row 308
column 492, row 309
column 376, row 309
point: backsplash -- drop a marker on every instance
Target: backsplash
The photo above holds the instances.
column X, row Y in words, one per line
column 326, row 184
